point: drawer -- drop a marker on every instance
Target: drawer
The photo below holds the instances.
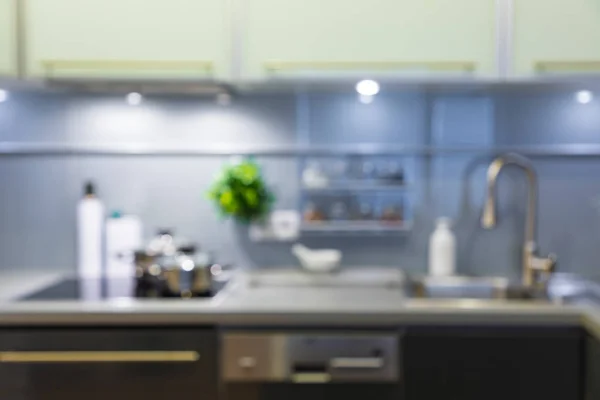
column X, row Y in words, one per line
column 298, row 357
column 119, row 363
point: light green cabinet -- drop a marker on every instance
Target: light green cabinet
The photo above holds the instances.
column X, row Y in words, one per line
column 556, row 36
column 8, row 62
column 295, row 37
column 140, row 39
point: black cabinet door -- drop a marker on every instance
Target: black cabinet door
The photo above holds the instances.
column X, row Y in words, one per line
column 108, row 364
column 330, row 391
column 493, row 363
column 593, row 369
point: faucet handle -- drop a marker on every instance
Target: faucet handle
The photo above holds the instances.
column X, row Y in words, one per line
column 543, row 267
column 552, row 261
column 544, row 264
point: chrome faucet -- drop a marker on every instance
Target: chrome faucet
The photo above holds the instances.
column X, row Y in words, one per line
column 532, row 265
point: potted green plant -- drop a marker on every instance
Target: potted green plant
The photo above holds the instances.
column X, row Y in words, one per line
column 240, row 192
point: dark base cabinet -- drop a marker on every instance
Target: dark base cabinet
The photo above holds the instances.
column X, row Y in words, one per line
column 493, row 363
column 290, row 391
column 592, row 389
column 108, row 364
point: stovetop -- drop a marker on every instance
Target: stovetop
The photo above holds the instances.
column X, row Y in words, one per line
column 107, row 288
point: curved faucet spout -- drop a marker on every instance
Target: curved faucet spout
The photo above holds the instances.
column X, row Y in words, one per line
column 532, row 264
column 489, row 218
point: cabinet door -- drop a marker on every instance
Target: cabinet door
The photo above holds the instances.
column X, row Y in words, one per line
column 556, row 36
column 493, row 363
column 179, row 39
column 100, row 364
column 593, row 369
column 327, row 391
column 7, row 38
column 296, row 37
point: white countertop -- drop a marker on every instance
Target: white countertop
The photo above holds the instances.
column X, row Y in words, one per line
column 18, row 283
column 296, row 305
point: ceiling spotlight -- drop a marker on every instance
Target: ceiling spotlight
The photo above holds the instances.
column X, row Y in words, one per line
column 367, row 87
column 584, row 96
column 134, row 99
column 3, row 95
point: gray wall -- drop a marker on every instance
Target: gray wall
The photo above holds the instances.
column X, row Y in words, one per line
column 38, row 194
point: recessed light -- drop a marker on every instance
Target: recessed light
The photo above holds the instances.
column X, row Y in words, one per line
column 584, row 96
column 3, row 95
column 134, row 99
column 367, row 87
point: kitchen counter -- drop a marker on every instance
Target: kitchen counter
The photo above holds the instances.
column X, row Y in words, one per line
column 288, row 306
column 501, row 340
column 18, row 283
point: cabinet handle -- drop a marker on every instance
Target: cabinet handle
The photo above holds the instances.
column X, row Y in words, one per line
column 51, row 66
column 97, row 356
column 447, row 66
column 357, row 363
column 247, row 362
column 311, row 377
column 567, row 66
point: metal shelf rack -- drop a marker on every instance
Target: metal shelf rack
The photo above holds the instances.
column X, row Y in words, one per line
column 376, row 227
column 371, row 190
column 357, row 186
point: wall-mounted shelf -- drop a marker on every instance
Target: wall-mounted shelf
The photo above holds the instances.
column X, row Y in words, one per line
column 357, row 186
column 356, row 227
column 220, row 150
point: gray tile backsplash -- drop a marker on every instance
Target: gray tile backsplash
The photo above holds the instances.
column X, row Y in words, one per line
column 38, row 194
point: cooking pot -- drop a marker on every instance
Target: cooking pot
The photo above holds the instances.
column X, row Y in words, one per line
column 162, row 244
column 174, row 269
column 188, row 274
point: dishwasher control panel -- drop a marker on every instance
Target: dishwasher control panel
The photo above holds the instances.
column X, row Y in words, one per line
column 310, row 357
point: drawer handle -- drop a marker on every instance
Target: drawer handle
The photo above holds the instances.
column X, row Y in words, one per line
column 311, row 377
column 357, row 363
column 247, row 362
column 51, row 66
column 567, row 66
column 97, row 356
column 447, row 66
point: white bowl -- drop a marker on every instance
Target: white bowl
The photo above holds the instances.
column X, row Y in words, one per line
column 321, row 260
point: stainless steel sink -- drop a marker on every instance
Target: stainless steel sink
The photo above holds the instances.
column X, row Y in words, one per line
column 471, row 288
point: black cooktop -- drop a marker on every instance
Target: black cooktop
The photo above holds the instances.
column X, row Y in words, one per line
column 107, row 288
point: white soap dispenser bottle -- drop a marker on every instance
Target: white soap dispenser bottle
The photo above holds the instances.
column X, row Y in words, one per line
column 90, row 223
column 442, row 249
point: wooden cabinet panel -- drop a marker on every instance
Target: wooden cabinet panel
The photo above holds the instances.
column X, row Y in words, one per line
column 555, row 36
column 295, row 37
column 493, row 363
column 8, row 43
column 292, row 391
column 179, row 39
column 100, row 364
column 592, row 390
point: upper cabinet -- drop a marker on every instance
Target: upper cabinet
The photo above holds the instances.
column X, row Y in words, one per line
column 139, row 39
column 412, row 37
column 8, row 42
column 254, row 40
column 556, row 36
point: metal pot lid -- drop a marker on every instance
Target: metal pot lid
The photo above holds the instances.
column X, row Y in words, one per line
column 186, row 262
